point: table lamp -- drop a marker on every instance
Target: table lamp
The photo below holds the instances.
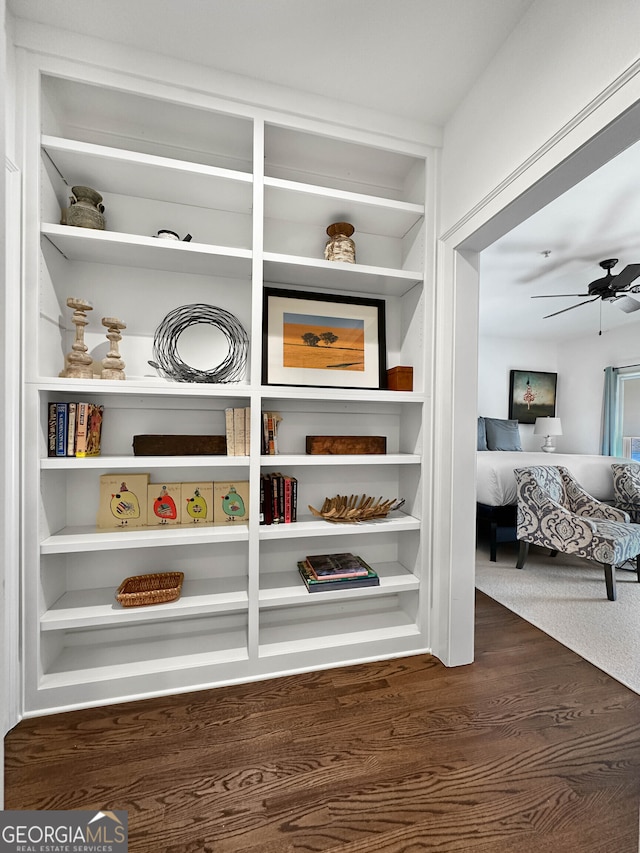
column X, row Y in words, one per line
column 548, row 427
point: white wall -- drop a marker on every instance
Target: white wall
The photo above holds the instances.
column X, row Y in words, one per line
column 580, row 365
column 496, row 358
column 561, row 56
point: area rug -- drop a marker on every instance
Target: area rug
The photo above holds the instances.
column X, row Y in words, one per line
column 566, row 598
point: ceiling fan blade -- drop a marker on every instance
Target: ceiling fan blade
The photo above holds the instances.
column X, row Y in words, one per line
column 623, row 280
column 571, row 307
column 556, row 295
column 627, row 304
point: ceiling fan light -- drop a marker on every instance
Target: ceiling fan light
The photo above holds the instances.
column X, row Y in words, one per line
column 627, row 304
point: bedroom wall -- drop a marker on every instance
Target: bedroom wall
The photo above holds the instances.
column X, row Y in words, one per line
column 496, row 358
column 579, row 364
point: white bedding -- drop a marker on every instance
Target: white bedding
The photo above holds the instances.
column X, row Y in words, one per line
column 496, row 483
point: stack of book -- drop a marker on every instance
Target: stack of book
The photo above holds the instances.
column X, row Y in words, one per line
column 75, row 429
column 336, row 571
column 238, row 431
column 270, row 421
column 278, row 499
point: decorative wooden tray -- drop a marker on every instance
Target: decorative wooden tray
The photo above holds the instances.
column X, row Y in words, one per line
column 354, row 509
column 140, row 590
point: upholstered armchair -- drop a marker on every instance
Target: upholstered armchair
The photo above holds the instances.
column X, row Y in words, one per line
column 555, row 512
column 626, row 488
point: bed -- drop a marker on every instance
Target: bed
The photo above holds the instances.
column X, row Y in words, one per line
column 497, row 459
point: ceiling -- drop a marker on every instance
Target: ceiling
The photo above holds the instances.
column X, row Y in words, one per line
column 410, row 58
column 558, row 250
column 415, row 59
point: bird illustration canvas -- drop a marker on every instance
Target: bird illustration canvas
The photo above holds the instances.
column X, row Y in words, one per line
column 123, row 501
column 163, row 504
column 196, row 503
column 231, row 502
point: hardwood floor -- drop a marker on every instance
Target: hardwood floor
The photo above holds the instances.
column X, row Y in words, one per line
column 528, row 750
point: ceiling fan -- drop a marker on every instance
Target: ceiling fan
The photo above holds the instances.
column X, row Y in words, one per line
column 609, row 288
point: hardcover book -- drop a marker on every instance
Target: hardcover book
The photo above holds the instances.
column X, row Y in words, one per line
column 94, row 432
column 314, row 585
column 334, row 566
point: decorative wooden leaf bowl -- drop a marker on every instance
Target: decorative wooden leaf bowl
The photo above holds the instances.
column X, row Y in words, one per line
column 353, row 509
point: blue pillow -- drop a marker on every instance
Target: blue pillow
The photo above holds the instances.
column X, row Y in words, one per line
column 482, row 435
column 502, row 434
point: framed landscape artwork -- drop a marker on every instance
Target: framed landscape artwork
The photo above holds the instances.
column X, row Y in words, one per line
column 326, row 341
column 532, row 395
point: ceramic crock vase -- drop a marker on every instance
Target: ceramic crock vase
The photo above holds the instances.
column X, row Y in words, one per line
column 340, row 246
column 85, row 208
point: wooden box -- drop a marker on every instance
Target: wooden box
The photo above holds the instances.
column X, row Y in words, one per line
column 179, row 445
column 400, row 379
column 335, row 445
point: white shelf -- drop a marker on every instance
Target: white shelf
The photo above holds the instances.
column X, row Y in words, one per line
column 298, row 202
column 307, row 525
column 71, row 463
column 147, row 386
column 132, row 250
column 119, row 660
column 330, row 275
column 97, row 607
column 350, row 395
column 344, row 629
column 323, row 460
column 281, row 588
column 129, row 173
column 71, row 540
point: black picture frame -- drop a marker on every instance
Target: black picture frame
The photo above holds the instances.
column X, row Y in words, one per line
column 316, row 362
column 532, row 394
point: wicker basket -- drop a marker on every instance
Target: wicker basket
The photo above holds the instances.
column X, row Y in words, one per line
column 158, row 588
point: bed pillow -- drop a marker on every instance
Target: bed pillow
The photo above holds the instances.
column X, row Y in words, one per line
column 502, row 434
column 482, row 435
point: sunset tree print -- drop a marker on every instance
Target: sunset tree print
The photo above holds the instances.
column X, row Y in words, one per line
column 320, row 342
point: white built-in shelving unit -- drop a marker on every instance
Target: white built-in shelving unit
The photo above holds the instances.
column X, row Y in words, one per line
column 256, row 191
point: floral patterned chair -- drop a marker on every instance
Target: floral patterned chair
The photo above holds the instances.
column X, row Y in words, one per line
column 626, row 488
column 555, row 512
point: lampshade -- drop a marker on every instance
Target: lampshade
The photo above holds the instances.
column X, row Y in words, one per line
column 547, row 426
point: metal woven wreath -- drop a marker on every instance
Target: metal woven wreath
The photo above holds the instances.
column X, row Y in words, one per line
column 165, row 344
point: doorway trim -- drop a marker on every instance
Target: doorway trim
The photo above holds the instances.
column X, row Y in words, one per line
column 604, row 128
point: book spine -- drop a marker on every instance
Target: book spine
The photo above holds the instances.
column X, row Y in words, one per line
column 61, row 429
column 287, row 500
column 228, row 420
column 51, row 426
column 71, row 429
column 294, row 499
column 247, row 431
column 275, row 498
column 82, row 413
column 238, row 432
column 94, row 430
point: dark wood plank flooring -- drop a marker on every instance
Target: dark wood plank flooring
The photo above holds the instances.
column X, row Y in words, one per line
column 528, row 750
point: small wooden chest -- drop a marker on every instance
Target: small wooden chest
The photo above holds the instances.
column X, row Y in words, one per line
column 400, row 379
column 179, row 445
column 335, row 445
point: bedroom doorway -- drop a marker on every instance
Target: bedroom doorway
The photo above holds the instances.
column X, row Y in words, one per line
column 579, row 150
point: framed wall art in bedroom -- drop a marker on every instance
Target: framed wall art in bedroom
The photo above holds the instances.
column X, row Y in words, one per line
column 532, row 394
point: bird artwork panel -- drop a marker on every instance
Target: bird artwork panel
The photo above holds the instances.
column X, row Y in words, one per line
column 197, row 503
column 163, row 504
column 123, row 501
column 231, row 502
